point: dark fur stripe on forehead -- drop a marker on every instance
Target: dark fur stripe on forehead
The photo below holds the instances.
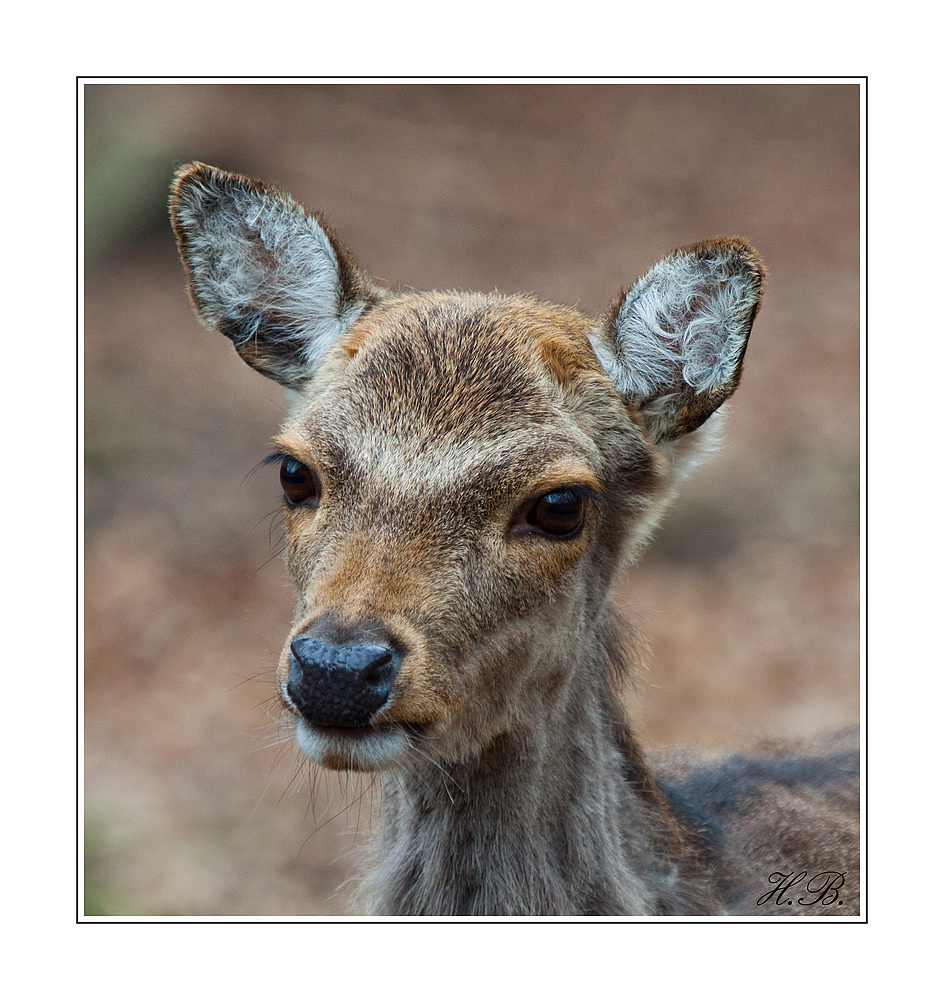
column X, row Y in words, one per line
column 457, row 362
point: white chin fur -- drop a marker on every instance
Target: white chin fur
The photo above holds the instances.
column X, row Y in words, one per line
column 372, row 751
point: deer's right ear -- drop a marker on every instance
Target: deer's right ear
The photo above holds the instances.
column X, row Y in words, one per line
column 263, row 271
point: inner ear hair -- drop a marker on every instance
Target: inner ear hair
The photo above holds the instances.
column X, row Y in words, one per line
column 674, row 344
column 264, row 272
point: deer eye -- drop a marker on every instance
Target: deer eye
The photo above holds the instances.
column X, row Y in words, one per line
column 299, row 483
column 559, row 514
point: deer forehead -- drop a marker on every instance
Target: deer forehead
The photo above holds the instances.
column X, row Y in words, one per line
column 443, row 389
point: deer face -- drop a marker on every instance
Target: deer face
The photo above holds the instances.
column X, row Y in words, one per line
column 462, row 473
column 460, row 482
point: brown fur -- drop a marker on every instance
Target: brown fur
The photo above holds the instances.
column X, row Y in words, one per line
column 434, row 423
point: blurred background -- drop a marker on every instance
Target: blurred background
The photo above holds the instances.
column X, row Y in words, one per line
column 196, row 801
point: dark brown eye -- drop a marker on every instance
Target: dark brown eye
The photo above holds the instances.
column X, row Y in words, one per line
column 299, row 483
column 559, row 513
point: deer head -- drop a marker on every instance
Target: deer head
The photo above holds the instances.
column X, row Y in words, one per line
column 463, row 473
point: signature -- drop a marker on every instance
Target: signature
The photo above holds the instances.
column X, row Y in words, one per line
column 822, row 888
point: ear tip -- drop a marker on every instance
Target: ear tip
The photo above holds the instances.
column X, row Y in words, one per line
column 733, row 247
column 750, row 257
column 193, row 167
column 197, row 180
column 185, row 188
column 191, row 173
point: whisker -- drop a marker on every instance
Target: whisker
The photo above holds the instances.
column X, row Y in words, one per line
column 263, row 675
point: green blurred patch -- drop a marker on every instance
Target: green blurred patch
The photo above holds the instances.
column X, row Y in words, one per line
column 100, row 898
column 129, row 163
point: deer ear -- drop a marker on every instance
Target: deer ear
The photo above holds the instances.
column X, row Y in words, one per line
column 674, row 344
column 264, row 272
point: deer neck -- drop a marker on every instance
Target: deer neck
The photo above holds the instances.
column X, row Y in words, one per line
column 558, row 818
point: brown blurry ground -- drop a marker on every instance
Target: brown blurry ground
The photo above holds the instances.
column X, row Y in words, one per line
column 195, row 803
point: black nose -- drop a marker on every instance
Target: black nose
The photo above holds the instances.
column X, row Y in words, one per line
column 341, row 686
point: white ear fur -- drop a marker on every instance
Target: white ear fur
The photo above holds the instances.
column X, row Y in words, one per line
column 674, row 344
column 263, row 271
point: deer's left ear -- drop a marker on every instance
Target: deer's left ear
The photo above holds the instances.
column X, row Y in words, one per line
column 674, row 344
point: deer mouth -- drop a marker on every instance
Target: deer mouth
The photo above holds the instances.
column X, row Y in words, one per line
column 356, row 748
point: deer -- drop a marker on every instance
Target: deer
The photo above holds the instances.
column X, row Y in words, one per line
column 463, row 474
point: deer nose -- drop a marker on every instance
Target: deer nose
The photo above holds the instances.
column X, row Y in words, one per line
column 340, row 686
